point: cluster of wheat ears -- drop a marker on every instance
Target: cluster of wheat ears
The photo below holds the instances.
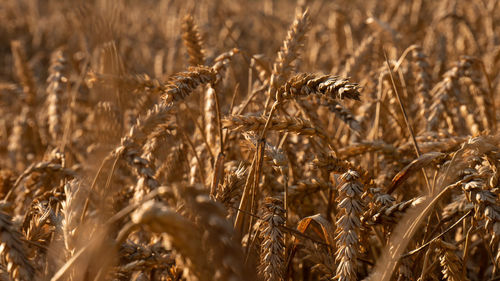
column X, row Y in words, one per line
column 260, row 140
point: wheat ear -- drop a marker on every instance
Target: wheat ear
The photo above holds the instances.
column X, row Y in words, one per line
column 182, row 84
column 12, row 252
column 305, row 84
column 348, row 224
column 272, row 254
column 55, row 90
column 193, row 41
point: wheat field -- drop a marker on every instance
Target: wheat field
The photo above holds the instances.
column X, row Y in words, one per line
column 249, row 140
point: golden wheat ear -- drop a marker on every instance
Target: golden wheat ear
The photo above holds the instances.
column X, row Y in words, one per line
column 182, row 84
column 289, row 51
column 360, row 56
column 55, row 90
column 272, row 254
column 333, row 87
column 348, row 225
column 193, row 41
column 24, row 73
column 12, row 251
